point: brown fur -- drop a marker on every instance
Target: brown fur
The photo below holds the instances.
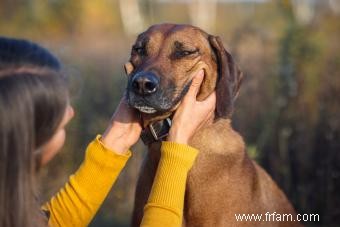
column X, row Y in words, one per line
column 224, row 181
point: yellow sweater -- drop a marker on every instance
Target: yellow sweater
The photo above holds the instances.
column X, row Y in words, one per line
column 78, row 201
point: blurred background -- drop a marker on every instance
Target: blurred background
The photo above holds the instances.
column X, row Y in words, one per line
column 288, row 110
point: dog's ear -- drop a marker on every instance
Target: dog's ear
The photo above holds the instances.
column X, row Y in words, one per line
column 128, row 68
column 228, row 81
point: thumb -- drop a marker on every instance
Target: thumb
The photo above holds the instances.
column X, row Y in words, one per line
column 196, row 84
column 210, row 102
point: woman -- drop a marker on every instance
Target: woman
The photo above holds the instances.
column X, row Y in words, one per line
column 34, row 110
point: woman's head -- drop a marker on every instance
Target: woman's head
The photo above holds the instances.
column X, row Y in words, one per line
column 35, row 99
column 33, row 103
column 17, row 53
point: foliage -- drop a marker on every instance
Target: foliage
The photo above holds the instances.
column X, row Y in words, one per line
column 288, row 110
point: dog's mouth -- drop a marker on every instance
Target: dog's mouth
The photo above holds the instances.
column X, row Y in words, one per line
column 147, row 105
column 162, row 102
column 145, row 109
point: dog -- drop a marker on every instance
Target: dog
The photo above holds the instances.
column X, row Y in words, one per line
column 223, row 181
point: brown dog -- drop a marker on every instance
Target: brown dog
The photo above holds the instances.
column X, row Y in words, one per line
column 223, row 182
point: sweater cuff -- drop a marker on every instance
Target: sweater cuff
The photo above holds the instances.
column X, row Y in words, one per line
column 99, row 165
column 98, row 153
column 180, row 153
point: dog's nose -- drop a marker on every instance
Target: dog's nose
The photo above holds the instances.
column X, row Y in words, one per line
column 145, row 83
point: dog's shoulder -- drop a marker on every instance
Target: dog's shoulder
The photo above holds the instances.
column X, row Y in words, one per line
column 219, row 138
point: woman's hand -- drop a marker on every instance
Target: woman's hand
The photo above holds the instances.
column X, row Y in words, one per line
column 124, row 129
column 191, row 114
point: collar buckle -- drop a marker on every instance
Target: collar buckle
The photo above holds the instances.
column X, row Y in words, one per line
column 156, row 131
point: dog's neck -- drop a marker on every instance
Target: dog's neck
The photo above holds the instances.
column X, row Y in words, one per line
column 148, row 119
column 158, row 129
column 155, row 127
column 219, row 137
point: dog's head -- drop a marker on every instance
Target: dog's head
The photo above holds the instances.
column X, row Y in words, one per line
column 163, row 61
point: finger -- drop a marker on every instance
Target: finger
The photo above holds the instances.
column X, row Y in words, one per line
column 123, row 109
column 137, row 116
column 206, row 119
column 124, row 99
column 210, row 100
column 210, row 114
column 196, row 84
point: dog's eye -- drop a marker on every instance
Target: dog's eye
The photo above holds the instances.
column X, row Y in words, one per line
column 184, row 53
column 139, row 50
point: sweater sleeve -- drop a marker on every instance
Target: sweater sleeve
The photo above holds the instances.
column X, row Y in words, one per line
column 79, row 200
column 166, row 200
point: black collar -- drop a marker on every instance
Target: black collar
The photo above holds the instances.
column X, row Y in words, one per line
column 156, row 131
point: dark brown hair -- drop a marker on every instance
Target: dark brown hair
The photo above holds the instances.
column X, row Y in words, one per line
column 33, row 98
